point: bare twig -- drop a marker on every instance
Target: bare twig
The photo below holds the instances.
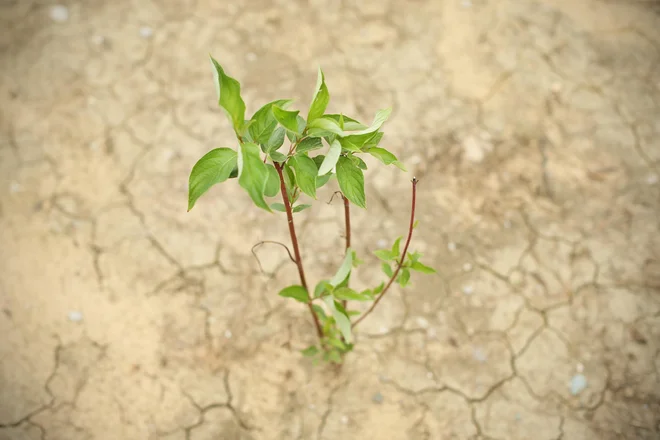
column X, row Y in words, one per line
column 401, row 260
column 333, row 196
column 296, row 249
column 347, row 221
column 254, row 249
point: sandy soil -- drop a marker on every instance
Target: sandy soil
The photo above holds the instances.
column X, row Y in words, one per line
column 533, row 127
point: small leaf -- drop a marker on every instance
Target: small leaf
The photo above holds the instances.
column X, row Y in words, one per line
column 300, row 207
column 395, row 246
column 359, row 162
column 299, row 293
column 343, row 323
column 416, row 224
column 288, row 119
column 214, row 167
column 253, row 174
column 351, row 181
column 273, row 182
column 278, row 207
column 289, row 181
column 330, row 159
column 319, row 312
column 323, row 127
column 310, row 351
column 380, row 288
column 419, row 267
column 387, row 269
column 309, row 144
column 385, row 254
column 337, row 343
column 333, row 356
column 356, row 260
column 275, row 140
column 320, row 99
column 415, row 256
column 350, row 124
column 404, row 277
column 322, row 287
column 277, row 157
column 385, row 156
column 229, row 96
column 264, row 122
column 348, row 294
column 295, row 137
column 344, row 269
column 373, row 141
column 358, row 139
column 306, row 172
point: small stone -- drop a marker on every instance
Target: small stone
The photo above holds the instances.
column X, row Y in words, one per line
column 343, row 419
column 467, row 267
column 146, row 32
column 451, row 246
column 377, row 398
column 98, row 39
column 652, row 179
column 479, row 355
column 251, row 56
column 59, row 13
column 466, row 3
column 429, row 375
column 507, row 224
column 578, row 384
column 415, row 160
column 556, row 87
column 468, row 290
column 422, row 322
column 516, row 278
column 579, row 367
column 75, row 316
column 518, row 417
column 228, row 334
column 14, row 187
column 381, row 243
column 431, row 333
column 311, row 406
column 383, row 378
column 384, row 330
column 628, row 392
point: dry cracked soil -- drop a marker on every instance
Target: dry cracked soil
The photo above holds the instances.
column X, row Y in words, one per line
column 533, row 127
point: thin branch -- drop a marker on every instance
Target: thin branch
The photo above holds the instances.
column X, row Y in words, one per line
column 403, row 256
column 347, row 221
column 333, row 197
column 296, row 249
column 269, row 242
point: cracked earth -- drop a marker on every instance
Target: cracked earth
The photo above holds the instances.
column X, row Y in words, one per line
column 533, row 127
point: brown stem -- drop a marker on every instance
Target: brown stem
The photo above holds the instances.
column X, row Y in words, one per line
column 403, row 256
column 347, row 221
column 296, row 249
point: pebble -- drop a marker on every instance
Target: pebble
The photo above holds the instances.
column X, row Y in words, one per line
column 383, row 378
column 466, row 3
column 468, row 290
column 59, row 13
column 556, row 88
column 479, row 355
column 429, row 375
column 467, row 267
column 578, row 384
column 251, row 56
column 384, row 330
column 451, row 246
column 518, row 417
column 422, row 322
column 431, row 333
column 98, row 39
column 228, row 334
column 579, row 367
column 415, row 160
column 75, row 316
column 377, row 398
column 14, row 187
column 507, row 224
column 652, row 179
column 146, row 32
column 381, row 243
column 344, row 419
column 311, row 406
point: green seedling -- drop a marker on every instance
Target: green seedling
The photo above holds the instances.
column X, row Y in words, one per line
column 321, row 147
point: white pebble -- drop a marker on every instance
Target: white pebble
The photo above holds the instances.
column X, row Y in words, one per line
column 146, row 32
column 479, row 355
column 429, row 375
column 431, row 333
column 468, row 290
column 344, row 419
column 59, row 13
column 415, row 160
column 467, row 267
column 578, row 384
column 466, row 3
column 652, row 179
column 422, row 322
column 507, row 224
column 98, row 39
column 251, row 56
column 311, row 406
column 384, row 329
column 451, row 246
column 14, row 187
column 579, row 368
column 381, row 243
column 228, row 334
column 556, row 87
column 75, row 316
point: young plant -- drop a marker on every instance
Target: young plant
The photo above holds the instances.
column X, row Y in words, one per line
column 263, row 168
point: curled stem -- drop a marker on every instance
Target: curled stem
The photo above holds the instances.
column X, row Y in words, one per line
column 254, row 251
column 296, row 249
column 401, row 260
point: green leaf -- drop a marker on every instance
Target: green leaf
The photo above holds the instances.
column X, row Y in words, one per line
column 415, row 256
column 359, row 162
column 306, row 172
column 289, row 181
column 253, row 174
column 333, row 356
column 229, row 96
column 214, row 167
column 419, row 267
column 330, row 159
column 343, row 323
column 320, row 100
column 351, row 182
column 299, row 293
column 277, row 157
column 416, row 224
column 264, row 122
column 404, row 277
column 359, row 139
column 395, row 246
column 356, row 260
column 275, row 140
column 310, row 351
column 319, row 312
column 350, row 124
column 385, row 254
column 301, row 207
column 293, row 136
column 278, row 207
column 336, row 343
column 373, row 141
column 348, row 294
column 387, row 269
column 273, row 182
column 322, row 287
column 344, row 269
column 323, row 127
column 288, row 119
column 309, row 144
column 380, row 288
column 385, row 156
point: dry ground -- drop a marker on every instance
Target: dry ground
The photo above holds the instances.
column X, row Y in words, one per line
column 533, row 126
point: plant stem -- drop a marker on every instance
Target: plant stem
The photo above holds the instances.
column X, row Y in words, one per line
column 403, row 256
column 347, row 221
column 296, row 249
